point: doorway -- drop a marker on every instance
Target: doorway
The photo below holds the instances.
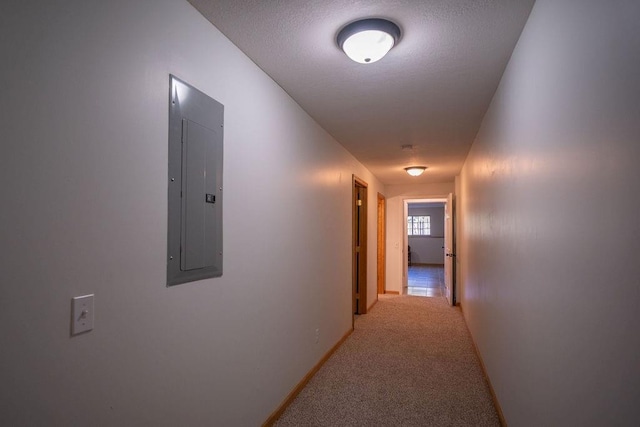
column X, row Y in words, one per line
column 428, row 243
column 359, row 282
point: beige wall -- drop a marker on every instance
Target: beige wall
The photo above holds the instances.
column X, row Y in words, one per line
column 84, row 210
column 550, row 233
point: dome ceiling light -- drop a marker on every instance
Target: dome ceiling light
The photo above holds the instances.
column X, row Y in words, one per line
column 415, row 170
column 368, row 40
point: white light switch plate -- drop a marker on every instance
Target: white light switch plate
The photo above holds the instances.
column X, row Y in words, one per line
column 82, row 314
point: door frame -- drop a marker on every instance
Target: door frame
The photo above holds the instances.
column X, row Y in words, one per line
column 449, row 251
column 405, row 268
column 359, row 252
column 382, row 244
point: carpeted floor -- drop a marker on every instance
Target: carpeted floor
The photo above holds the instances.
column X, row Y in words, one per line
column 409, row 362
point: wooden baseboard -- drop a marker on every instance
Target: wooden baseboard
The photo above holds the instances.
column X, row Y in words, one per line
column 503, row 421
column 297, row 389
column 392, row 292
column 371, row 306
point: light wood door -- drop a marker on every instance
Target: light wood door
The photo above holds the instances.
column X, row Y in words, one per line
column 382, row 245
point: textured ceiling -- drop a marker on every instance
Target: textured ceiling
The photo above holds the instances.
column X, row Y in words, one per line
column 430, row 91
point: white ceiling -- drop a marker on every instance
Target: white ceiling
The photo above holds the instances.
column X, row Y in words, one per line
column 431, row 90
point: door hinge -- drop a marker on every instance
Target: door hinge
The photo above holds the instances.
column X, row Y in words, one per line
column 359, row 203
column 357, row 248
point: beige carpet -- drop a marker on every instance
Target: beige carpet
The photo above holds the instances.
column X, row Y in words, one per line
column 409, row 362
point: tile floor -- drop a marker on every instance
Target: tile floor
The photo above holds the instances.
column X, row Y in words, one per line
column 426, row 281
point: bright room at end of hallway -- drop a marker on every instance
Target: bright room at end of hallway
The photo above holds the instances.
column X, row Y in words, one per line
column 426, row 280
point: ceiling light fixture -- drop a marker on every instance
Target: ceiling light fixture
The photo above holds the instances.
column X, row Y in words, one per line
column 368, row 40
column 415, row 170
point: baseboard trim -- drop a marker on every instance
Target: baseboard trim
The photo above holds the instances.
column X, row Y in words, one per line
column 298, row 388
column 503, row 421
column 392, row 292
column 372, row 304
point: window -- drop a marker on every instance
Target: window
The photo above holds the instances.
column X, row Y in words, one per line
column 419, row 225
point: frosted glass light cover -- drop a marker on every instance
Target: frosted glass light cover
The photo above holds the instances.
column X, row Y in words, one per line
column 415, row 170
column 368, row 46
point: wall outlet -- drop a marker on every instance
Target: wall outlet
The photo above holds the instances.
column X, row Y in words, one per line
column 81, row 314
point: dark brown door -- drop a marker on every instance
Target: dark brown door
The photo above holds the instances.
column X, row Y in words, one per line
column 359, row 246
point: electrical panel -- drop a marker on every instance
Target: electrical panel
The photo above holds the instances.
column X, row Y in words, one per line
column 194, row 244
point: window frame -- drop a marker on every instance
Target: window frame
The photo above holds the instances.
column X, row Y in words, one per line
column 411, row 227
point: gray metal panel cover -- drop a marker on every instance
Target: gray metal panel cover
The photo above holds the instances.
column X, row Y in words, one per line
column 198, row 180
column 195, row 185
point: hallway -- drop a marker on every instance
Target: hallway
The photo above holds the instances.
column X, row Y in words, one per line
column 525, row 111
column 409, row 362
column 426, row 281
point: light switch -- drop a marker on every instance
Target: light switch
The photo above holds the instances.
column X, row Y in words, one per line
column 81, row 314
